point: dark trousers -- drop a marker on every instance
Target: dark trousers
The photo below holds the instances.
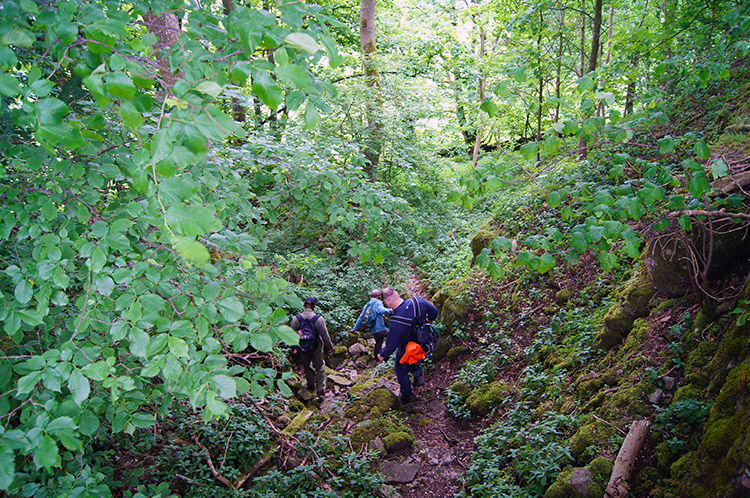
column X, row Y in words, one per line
column 314, row 367
column 402, row 375
column 379, row 338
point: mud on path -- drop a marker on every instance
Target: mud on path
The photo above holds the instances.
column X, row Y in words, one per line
column 443, row 444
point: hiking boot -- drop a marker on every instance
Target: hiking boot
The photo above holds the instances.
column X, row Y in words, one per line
column 406, row 399
column 418, row 380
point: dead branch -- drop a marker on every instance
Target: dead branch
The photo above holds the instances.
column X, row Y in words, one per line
column 618, row 482
column 211, row 467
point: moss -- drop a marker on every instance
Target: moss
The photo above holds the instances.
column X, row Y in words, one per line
column 629, row 400
column 398, row 441
column 380, row 397
column 635, row 339
column 563, row 296
column 601, row 467
column 369, row 431
column 632, row 302
column 485, row 398
column 461, row 388
column 357, row 388
column 588, row 484
column 588, row 435
column 295, row 405
column 696, row 371
column 689, row 391
column 298, row 422
column 455, row 352
column 482, row 240
column 644, row 481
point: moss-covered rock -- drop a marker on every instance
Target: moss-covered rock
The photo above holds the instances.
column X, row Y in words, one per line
column 455, row 351
column 485, row 398
column 298, row 422
column 579, row 483
column 628, row 401
column 358, row 387
column 563, row 296
column 482, row 240
column 367, row 432
column 588, row 435
column 380, row 397
column 338, row 357
column 461, row 388
column 632, row 302
column 635, row 339
column 451, row 305
column 398, row 441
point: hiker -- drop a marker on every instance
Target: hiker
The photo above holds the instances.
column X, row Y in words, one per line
column 372, row 315
column 313, row 337
column 403, row 322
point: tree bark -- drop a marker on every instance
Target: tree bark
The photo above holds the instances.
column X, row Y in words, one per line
column 593, row 59
column 559, row 65
column 166, row 28
column 625, row 461
column 374, row 142
column 238, row 110
column 478, row 142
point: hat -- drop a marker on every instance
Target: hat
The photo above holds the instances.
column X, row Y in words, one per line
column 311, row 301
column 413, row 353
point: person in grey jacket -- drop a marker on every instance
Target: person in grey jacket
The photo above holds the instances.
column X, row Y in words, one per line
column 372, row 314
column 313, row 363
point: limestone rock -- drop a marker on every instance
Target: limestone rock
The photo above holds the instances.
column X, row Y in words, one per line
column 298, row 422
column 340, row 380
column 563, row 296
column 357, row 350
column 633, row 302
column 398, row 441
column 399, row 473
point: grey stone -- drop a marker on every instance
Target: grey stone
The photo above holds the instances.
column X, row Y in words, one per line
column 668, row 383
column 580, row 479
column 399, row 473
column 339, row 379
column 356, row 350
column 379, row 445
column 655, row 396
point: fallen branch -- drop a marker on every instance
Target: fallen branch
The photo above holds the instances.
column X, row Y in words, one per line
column 721, row 213
column 237, row 484
column 618, row 482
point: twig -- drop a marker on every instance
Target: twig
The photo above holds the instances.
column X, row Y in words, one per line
column 85, row 303
column 211, row 467
column 610, row 424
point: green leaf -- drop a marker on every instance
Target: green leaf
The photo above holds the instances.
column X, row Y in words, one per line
column 585, row 84
column 7, row 468
column 88, row 423
column 702, row 150
column 698, row 184
column 98, row 371
column 27, row 383
column 666, row 145
column 685, row 223
column 529, row 150
column 192, row 220
column 292, row 75
column 262, row 342
column 209, row 88
column 120, row 85
column 311, row 116
column 191, row 250
column 24, row 291
column 79, row 386
column 9, row 85
column 46, row 454
column 18, row 37
column 61, row 425
column 554, row 199
column 231, row 309
column 650, row 194
column 489, row 107
column 267, row 89
column 131, row 117
column 224, row 385
column 302, row 41
column 178, row 347
column 283, row 388
column 719, row 168
column 546, row 263
column 519, row 74
column 287, row 335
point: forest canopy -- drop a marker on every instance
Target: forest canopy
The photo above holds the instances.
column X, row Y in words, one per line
column 174, row 172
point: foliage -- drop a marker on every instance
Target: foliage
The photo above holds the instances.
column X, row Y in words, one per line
column 530, row 452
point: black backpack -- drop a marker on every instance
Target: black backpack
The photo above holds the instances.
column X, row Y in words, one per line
column 423, row 333
column 308, row 334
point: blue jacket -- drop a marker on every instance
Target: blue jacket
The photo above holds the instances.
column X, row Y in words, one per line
column 399, row 331
column 376, row 309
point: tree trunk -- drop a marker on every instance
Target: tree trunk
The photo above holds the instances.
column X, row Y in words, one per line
column 478, row 142
column 374, row 142
column 593, row 59
column 583, row 37
column 559, row 66
column 238, row 110
column 166, row 28
column 540, row 94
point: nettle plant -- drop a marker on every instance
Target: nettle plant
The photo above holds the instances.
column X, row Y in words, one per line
column 132, row 232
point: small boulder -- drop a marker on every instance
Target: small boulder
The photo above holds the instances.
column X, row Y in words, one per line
column 398, row 441
column 357, row 350
column 563, row 296
column 399, row 473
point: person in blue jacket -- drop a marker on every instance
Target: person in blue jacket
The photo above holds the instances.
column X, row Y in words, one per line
column 402, row 323
column 372, row 314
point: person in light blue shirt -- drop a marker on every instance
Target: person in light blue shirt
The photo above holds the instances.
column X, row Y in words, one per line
column 372, row 315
